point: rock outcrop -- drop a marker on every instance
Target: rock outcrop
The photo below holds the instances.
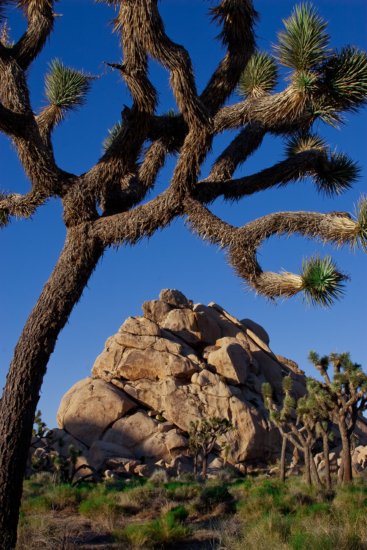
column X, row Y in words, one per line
column 178, row 363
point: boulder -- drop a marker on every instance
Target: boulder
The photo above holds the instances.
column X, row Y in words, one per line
column 156, row 310
column 102, row 451
column 178, row 363
column 231, row 360
column 256, row 329
column 89, row 407
column 174, row 298
column 140, row 326
column 181, row 403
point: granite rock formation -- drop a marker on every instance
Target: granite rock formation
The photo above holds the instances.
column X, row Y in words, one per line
column 178, row 363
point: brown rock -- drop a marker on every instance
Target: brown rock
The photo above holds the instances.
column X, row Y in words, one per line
column 183, row 323
column 140, row 326
column 271, row 370
column 192, row 327
column 61, row 442
column 227, row 327
column 89, row 407
column 174, row 297
column 102, row 451
column 156, row 310
column 231, row 360
column 139, row 434
column 104, row 364
column 136, row 364
column 257, row 329
column 182, row 403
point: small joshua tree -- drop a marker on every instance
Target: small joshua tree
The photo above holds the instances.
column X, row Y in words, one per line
column 294, row 425
column 203, row 435
column 106, row 206
column 342, row 397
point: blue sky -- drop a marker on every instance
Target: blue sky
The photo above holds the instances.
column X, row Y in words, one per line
column 173, row 258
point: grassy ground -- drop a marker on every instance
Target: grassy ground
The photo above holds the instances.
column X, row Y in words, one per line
column 232, row 515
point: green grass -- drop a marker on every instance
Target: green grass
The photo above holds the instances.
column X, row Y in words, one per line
column 252, row 513
column 165, row 531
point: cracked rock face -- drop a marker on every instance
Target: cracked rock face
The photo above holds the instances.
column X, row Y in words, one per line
column 178, row 363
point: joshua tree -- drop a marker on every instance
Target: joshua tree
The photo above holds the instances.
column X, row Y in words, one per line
column 295, row 425
column 342, row 398
column 203, row 435
column 102, row 206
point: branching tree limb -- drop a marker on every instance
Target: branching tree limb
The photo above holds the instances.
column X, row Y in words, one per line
column 103, row 207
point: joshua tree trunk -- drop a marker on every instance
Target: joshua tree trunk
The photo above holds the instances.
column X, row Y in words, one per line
column 204, row 466
column 307, row 456
column 326, row 451
column 18, row 405
column 106, row 201
column 347, row 475
column 282, row 458
column 314, row 471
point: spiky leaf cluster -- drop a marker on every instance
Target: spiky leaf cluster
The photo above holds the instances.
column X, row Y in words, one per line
column 113, row 133
column 299, row 143
column 66, row 88
column 361, row 217
column 337, row 175
column 322, row 282
column 303, row 43
column 260, row 75
column 345, row 78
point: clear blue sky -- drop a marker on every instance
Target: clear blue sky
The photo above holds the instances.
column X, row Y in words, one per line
column 173, row 258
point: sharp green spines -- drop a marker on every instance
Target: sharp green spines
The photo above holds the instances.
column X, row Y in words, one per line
column 337, row 174
column 260, row 75
column 300, row 143
column 322, row 282
column 66, row 88
column 303, row 44
column 361, row 218
column 345, row 78
column 112, row 135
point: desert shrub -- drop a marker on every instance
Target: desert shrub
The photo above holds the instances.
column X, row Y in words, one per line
column 158, row 477
column 102, row 509
column 35, row 504
column 182, row 491
column 165, row 531
column 64, row 496
column 213, row 495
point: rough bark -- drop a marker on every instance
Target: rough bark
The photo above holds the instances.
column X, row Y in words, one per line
column 326, row 451
column 282, row 459
column 21, row 394
column 346, row 456
column 117, row 184
column 307, row 459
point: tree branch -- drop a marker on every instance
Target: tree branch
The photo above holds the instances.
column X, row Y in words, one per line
column 12, row 123
column 172, row 56
column 40, row 24
column 237, row 18
column 292, row 169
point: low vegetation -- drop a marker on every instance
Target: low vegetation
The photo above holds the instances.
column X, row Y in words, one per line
column 251, row 513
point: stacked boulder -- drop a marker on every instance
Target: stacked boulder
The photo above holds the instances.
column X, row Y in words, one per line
column 179, row 362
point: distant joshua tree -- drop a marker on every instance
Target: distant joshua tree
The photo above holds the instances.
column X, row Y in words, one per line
column 103, row 207
column 296, row 426
column 203, row 436
column 342, row 398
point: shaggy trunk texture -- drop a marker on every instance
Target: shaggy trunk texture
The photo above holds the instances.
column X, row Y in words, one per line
column 18, row 405
column 282, row 459
column 347, row 475
column 326, row 450
column 103, row 206
column 307, row 456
